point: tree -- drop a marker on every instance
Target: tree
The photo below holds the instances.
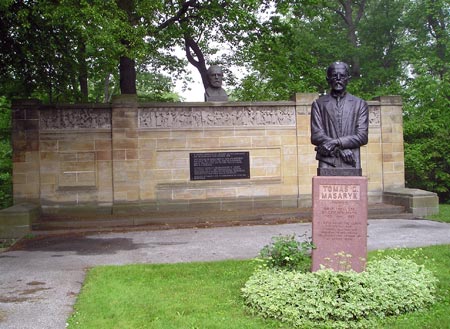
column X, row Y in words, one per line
column 427, row 137
column 382, row 56
column 288, row 55
column 351, row 12
column 57, row 47
column 32, row 47
column 427, row 97
column 127, row 69
column 293, row 51
column 203, row 27
column 155, row 87
column 50, row 48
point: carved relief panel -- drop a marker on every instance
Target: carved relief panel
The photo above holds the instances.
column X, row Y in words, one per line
column 374, row 116
column 216, row 117
column 88, row 118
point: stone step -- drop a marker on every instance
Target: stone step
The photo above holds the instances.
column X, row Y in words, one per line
column 199, row 219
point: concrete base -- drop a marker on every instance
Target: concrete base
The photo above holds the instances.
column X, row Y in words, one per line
column 418, row 202
column 16, row 221
column 164, row 206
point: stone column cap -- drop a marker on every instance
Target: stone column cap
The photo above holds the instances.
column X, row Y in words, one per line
column 408, row 192
column 390, row 100
column 125, row 99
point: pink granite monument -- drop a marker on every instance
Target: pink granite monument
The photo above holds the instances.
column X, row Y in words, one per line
column 339, row 223
column 339, row 127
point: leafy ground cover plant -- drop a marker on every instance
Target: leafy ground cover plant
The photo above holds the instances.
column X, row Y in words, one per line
column 286, row 252
column 328, row 299
column 6, row 243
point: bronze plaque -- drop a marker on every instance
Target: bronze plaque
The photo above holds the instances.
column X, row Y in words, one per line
column 219, row 165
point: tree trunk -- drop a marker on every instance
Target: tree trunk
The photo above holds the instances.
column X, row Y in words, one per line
column 127, row 71
column 127, row 67
column 83, row 72
column 199, row 63
column 352, row 22
column 355, row 62
column 106, row 92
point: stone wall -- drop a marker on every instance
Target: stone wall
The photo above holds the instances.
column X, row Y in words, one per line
column 127, row 153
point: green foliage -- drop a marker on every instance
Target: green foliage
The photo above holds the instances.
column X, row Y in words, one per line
column 427, row 97
column 293, row 51
column 6, row 243
column 381, row 53
column 55, row 50
column 285, row 252
column 5, row 154
column 437, row 259
column 155, row 87
column 286, row 57
column 426, row 135
column 326, row 299
column 49, row 47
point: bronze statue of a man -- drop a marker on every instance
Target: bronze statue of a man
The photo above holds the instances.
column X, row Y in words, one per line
column 215, row 92
column 339, row 126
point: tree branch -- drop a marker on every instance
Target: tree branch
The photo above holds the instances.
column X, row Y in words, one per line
column 200, row 64
column 183, row 10
column 341, row 13
column 361, row 8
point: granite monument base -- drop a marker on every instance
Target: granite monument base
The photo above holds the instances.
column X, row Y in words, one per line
column 339, row 229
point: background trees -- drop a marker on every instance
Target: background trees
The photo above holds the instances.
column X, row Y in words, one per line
column 63, row 50
column 427, row 96
column 74, row 51
column 306, row 36
column 52, row 49
column 5, row 154
column 394, row 46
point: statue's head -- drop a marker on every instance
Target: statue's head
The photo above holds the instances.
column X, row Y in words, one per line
column 338, row 75
column 215, row 76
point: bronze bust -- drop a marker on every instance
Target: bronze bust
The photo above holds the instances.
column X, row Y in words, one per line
column 339, row 126
column 214, row 92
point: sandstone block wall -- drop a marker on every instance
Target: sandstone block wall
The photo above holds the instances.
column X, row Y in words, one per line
column 126, row 153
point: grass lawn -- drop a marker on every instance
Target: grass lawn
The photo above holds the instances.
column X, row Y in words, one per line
column 187, row 295
column 444, row 214
column 207, row 295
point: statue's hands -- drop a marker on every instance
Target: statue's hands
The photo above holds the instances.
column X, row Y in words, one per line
column 348, row 156
column 327, row 148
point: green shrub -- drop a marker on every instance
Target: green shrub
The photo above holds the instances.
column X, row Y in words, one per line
column 5, row 154
column 327, row 299
column 285, row 252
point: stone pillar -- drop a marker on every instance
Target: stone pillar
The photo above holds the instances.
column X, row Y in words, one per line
column 126, row 177
column 307, row 165
column 392, row 142
column 25, row 142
